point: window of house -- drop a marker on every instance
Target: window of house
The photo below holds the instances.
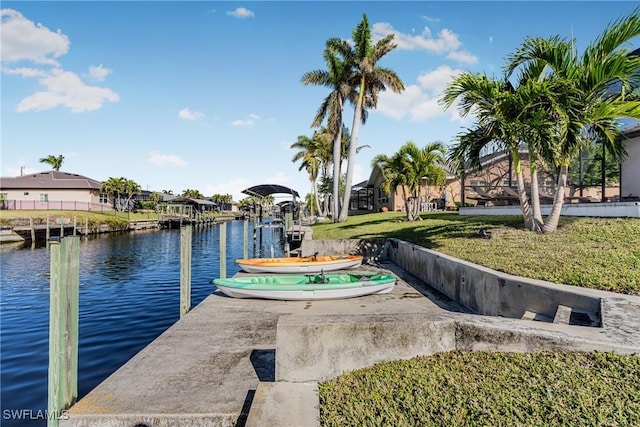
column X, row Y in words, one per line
column 4, row 196
column 104, row 198
column 26, row 193
column 44, row 197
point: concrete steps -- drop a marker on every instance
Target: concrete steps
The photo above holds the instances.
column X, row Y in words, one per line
column 284, row 404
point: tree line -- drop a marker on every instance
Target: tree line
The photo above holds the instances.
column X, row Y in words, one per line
column 549, row 99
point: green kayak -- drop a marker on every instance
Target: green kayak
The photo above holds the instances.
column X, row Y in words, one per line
column 306, row 286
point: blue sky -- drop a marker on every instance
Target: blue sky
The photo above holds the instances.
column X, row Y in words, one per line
column 207, row 95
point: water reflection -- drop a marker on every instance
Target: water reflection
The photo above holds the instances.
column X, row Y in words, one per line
column 129, row 294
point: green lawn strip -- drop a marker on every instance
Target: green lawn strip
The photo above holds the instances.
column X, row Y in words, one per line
column 599, row 253
column 488, row 389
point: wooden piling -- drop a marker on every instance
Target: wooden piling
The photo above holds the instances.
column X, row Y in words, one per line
column 223, row 250
column 63, row 327
column 86, row 225
column 185, row 269
column 75, row 225
column 33, row 230
column 245, row 240
column 61, row 227
column 47, row 236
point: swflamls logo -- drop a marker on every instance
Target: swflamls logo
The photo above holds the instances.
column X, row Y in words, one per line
column 34, row 414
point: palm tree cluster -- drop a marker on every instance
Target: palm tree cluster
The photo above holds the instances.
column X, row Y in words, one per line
column 558, row 103
column 407, row 169
column 121, row 191
column 354, row 76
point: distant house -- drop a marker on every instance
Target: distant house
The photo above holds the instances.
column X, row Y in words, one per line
column 53, row 190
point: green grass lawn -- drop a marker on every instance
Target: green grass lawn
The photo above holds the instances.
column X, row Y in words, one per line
column 488, row 389
column 600, row 253
column 492, row 388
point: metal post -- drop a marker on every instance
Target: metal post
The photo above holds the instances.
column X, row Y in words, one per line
column 63, row 327
column 245, row 240
column 185, row 270
column 223, row 250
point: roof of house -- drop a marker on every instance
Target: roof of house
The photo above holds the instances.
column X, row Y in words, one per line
column 51, row 180
column 198, row 202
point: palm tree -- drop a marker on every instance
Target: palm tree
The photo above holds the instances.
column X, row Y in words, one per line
column 592, row 92
column 307, row 153
column 119, row 187
column 192, row 194
column 337, row 77
column 369, row 80
column 393, row 170
column 498, row 110
column 54, row 161
column 421, row 163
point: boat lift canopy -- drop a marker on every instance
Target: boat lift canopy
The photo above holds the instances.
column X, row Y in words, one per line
column 265, row 190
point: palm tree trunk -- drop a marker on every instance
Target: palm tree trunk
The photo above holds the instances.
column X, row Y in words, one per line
column 535, row 194
column 314, row 188
column 551, row 224
column 522, row 193
column 351, row 159
column 337, row 162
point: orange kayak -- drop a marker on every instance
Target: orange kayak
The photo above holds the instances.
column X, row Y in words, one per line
column 311, row 264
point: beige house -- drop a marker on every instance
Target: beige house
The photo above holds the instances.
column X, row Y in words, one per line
column 53, row 190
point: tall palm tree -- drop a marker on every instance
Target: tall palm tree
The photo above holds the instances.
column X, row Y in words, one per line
column 593, row 91
column 54, row 161
column 337, row 77
column 369, row 79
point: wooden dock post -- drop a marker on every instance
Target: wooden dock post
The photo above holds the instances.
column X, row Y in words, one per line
column 223, row 250
column 75, row 225
column 185, row 269
column 33, row 230
column 47, row 233
column 63, row 327
column 86, row 225
column 61, row 227
column 245, row 244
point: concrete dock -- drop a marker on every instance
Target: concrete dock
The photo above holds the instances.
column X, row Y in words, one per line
column 249, row 362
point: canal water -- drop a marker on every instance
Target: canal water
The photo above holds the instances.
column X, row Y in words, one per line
column 129, row 295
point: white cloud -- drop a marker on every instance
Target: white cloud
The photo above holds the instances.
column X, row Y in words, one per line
column 241, row 13
column 65, row 89
column 24, row 72
column 99, row 73
column 444, row 43
column 430, row 19
column 187, row 114
column 249, row 121
column 161, row 159
column 420, row 101
column 462, row 56
column 24, row 40
column 490, row 39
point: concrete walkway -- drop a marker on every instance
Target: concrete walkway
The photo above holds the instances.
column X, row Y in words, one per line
column 217, row 366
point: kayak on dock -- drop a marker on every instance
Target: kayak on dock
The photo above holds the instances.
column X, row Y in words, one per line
column 311, row 264
column 306, row 287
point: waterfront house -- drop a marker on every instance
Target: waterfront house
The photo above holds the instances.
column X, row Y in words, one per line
column 52, row 190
